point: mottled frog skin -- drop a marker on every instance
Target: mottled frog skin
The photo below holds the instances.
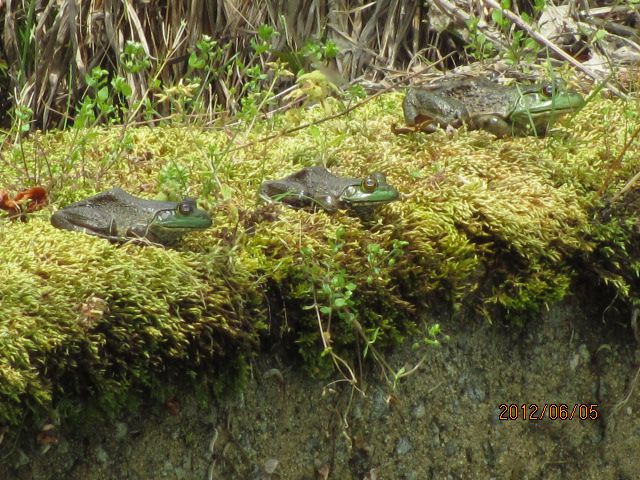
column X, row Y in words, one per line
column 118, row 216
column 314, row 187
column 481, row 104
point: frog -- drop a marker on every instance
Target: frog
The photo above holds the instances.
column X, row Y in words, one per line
column 316, row 187
column 119, row 216
column 482, row 104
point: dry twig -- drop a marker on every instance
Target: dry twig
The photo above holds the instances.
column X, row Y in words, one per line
column 515, row 19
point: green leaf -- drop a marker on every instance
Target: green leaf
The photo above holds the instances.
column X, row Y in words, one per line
column 373, row 248
column 340, row 302
column 121, row 86
column 195, row 62
column 331, row 49
column 103, row 94
column 265, row 32
column 259, row 48
column 600, row 34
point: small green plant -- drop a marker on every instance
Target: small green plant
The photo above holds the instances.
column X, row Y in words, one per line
column 207, row 56
column 21, row 124
column 108, row 102
column 432, row 337
column 309, row 57
column 355, row 92
column 342, row 316
column 320, row 51
column 22, row 116
column 254, row 97
column 180, row 98
column 134, row 58
column 334, row 308
column 377, row 257
column 262, row 43
column 538, row 7
column 101, row 101
column 523, row 49
column 498, row 17
column 313, row 87
column 478, row 47
column 173, row 180
column 208, row 66
column 26, row 29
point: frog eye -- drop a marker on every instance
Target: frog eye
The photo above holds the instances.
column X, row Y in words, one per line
column 370, row 183
column 548, row 90
column 186, row 207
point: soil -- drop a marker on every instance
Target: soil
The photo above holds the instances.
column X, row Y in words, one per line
column 442, row 422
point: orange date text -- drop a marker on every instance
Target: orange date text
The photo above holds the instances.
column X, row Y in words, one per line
column 549, row 411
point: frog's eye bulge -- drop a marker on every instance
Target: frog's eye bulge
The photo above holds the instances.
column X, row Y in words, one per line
column 186, row 207
column 369, row 184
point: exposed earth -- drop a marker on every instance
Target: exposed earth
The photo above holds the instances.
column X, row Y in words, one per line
column 443, row 421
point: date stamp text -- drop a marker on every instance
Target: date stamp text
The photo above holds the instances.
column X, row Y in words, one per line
column 549, row 411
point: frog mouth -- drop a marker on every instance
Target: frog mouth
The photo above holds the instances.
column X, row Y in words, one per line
column 384, row 196
column 538, row 111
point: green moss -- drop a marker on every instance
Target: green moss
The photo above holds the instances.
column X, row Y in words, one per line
column 500, row 225
column 86, row 317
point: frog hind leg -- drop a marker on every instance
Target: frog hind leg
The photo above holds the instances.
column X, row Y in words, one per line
column 428, row 111
column 96, row 226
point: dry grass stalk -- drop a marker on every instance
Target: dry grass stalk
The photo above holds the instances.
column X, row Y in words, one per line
column 51, row 45
column 71, row 37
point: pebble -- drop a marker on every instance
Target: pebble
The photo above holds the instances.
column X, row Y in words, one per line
column 404, row 446
column 435, row 430
column 419, row 411
column 101, row 454
column 121, row 430
column 22, row 460
column 63, row 447
column 186, row 464
column 379, row 404
column 167, row 468
column 450, row 448
column 476, row 394
column 271, row 465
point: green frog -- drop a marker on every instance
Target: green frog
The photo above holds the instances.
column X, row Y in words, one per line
column 118, row 216
column 317, row 187
column 481, row 104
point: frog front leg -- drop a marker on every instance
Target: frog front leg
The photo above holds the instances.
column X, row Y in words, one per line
column 492, row 124
column 330, row 203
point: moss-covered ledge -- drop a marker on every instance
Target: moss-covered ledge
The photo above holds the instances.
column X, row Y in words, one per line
column 84, row 317
column 502, row 226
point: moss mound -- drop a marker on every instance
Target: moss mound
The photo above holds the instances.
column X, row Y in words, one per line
column 497, row 225
column 82, row 316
